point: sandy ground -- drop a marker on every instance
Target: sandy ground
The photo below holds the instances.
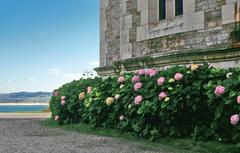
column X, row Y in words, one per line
column 28, row 136
column 24, row 115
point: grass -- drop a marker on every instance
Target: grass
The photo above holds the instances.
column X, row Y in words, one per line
column 166, row 145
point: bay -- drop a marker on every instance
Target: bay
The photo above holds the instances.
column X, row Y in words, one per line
column 22, row 108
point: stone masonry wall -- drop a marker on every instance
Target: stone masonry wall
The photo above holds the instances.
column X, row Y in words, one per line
column 132, row 29
column 113, row 31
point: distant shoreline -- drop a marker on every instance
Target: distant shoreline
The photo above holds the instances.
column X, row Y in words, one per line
column 20, row 104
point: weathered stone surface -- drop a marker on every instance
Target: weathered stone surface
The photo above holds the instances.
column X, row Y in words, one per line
column 228, row 13
column 131, row 28
column 217, row 57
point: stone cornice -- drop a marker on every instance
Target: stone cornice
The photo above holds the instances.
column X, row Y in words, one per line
column 173, row 58
column 181, row 57
column 105, row 71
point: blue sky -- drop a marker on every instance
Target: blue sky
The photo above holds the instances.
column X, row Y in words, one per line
column 45, row 43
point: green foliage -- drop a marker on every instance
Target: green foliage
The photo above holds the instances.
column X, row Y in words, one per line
column 190, row 109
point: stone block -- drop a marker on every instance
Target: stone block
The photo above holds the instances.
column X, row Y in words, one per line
column 189, row 6
column 122, row 23
column 226, row 64
column 104, row 3
column 231, row 1
column 142, row 5
column 144, row 17
column 124, row 37
column 123, row 7
column 141, row 33
column 228, row 13
column 128, row 22
column 193, row 21
column 103, row 20
column 125, row 22
column 125, row 51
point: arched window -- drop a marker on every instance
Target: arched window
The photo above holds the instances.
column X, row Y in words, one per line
column 178, row 7
column 162, row 10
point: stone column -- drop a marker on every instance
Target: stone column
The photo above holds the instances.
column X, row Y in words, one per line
column 103, row 29
column 125, row 25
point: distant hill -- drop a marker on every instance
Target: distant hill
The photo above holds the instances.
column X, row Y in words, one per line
column 25, row 97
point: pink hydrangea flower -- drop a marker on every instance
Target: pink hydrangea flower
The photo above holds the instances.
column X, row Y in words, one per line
column 89, row 90
column 147, row 72
column 238, row 99
column 135, row 79
column 234, row 119
column 162, row 95
column 55, row 93
column 138, row 100
column 219, row 90
column 63, row 102
column 137, row 86
column 151, row 72
column 63, row 97
column 141, row 72
column 56, row 118
column 121, row 118
column 160, row 81
column 121, row 79
column 178, row 76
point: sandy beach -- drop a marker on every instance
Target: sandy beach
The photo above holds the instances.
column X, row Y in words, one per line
column 38, row 115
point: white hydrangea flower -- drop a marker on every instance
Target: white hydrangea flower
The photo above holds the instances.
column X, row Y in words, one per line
column 229, row 75
column 117, row 96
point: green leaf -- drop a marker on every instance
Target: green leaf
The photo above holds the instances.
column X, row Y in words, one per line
column 164, row 104
column 229, row 101
column 218, row 112
column 232, row 94
column 136, row 127
column 194, row 107
column 98, row 94
column 95, row 99
column 140, row 111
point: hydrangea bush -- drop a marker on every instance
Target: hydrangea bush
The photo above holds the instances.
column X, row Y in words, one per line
column 198, row 101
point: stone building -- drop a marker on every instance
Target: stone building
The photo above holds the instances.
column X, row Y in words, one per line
column 158, row 33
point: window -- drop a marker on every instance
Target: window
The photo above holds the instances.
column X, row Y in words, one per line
column 162, row 9
column 178, row 7
column 167, row 10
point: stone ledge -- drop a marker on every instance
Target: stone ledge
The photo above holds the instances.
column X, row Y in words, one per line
column 105, row 71
column 172, row 58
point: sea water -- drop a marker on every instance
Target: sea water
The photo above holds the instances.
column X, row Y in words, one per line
column 22, row 108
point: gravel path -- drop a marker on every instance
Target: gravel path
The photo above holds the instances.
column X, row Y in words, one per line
column 28, row 136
